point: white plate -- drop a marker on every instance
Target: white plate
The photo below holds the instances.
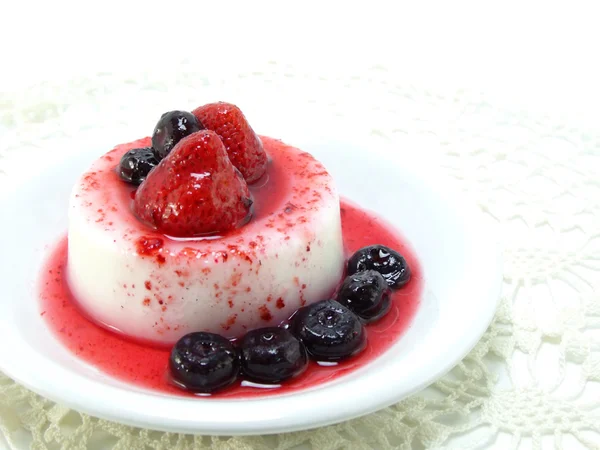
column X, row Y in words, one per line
column 457, row 250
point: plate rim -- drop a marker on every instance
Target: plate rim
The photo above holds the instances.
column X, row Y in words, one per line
column 361, row 403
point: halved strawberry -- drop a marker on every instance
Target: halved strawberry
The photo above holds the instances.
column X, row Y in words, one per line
column 195, row 190
column 243, row 146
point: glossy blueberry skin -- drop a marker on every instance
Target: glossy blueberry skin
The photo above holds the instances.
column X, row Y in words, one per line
column 136, row 164
column 204, row 362
column 172, row 127
column 329, row 331
column 389, row 263
column 271, row 355
column 367, row 294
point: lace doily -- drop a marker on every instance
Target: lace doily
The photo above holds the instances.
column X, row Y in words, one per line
column 532, row 381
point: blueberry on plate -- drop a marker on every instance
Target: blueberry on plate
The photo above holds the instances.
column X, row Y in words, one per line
column 271, row 355
column 136, row 164
column 384, row 260
column 172, row 127
column 329, row 331
column 203, row 362
column 367, row 294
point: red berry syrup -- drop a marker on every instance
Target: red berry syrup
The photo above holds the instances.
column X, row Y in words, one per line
column 146, row 366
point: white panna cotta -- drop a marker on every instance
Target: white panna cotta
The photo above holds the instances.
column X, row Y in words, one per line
column 139, row 282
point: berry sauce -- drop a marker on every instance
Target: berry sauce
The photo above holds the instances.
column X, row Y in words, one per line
column 146, row 365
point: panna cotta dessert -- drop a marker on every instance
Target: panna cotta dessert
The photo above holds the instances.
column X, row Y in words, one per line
column 231, row 259
column 207, row 259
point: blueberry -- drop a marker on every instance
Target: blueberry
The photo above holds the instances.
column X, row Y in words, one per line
column 329, row 330
column 136, row 164
column 367, row 294
column 172, row 127
column 384, row 260
column 272, row 355
column 203, row 362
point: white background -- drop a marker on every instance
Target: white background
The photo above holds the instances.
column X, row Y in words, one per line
column 541, row 55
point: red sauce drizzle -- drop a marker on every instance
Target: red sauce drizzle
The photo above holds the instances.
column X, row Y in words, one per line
column 146, row 366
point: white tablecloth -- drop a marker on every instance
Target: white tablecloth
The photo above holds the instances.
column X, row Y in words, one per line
column 528, row 152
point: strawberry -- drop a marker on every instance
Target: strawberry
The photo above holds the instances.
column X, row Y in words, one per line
column 243, row 146
column 195, row 190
